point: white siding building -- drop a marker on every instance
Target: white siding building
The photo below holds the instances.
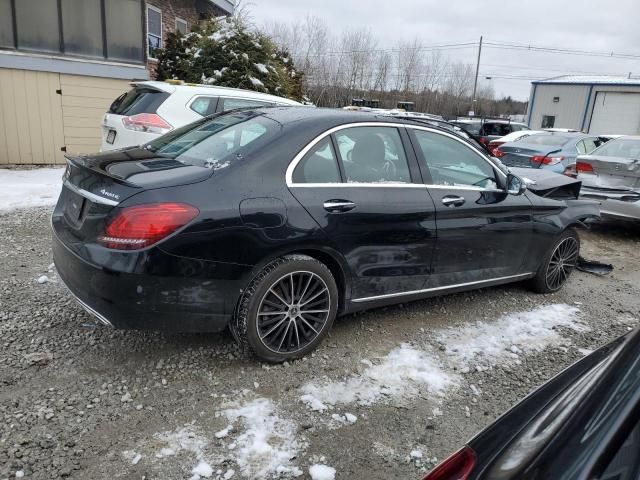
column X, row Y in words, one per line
column 595, row 104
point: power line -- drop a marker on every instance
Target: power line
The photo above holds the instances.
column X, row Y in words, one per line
column 562, row 51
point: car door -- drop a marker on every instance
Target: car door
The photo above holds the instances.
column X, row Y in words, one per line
column 363, row 188
column 483, row 233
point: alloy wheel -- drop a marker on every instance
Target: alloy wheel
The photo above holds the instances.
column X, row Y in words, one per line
column 562, row 262
column 293, row 312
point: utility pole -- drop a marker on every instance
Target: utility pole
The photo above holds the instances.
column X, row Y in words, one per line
column 475, row 83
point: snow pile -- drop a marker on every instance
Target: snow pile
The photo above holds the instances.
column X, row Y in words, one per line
column 183, row 440
column 322, row 472
column 30, row 188
column 267, row 444
column 201, row 470
column 503, row 340
column 404, row 372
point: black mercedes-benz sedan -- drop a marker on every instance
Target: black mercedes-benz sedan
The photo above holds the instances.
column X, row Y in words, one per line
column 273, row 221
column 584, row 424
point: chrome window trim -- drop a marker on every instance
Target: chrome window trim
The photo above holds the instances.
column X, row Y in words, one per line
column 298, row 158
column 91, row 196
column 436, row 289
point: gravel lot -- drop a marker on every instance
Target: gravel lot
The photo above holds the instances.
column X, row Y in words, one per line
column 85, row 402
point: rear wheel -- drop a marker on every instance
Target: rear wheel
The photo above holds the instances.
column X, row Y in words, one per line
column 287, row 309
column 558, row 263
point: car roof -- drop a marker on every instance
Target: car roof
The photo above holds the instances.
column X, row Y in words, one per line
column 196, row 89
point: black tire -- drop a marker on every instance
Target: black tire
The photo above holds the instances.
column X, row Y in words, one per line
column 257, row 325
column 558, row 263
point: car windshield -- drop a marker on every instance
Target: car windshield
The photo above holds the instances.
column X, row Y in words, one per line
column 548, row 140
column 216, row 142
column 625, row 148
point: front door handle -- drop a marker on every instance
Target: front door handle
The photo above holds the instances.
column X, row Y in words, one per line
column 453, row 201
column 337, row 206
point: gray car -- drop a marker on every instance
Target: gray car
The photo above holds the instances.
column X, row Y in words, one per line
column 611, row 174
column 549, row 150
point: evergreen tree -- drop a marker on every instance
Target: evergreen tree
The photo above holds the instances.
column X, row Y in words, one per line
column 226, row 52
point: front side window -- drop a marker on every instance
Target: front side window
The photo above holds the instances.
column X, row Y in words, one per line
column 319, row 165
column 452, row 163
column 373, row 155
column 233, row 103
column 217, row 142
column 154, row 30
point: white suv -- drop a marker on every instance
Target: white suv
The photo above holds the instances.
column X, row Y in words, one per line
column 152, row 109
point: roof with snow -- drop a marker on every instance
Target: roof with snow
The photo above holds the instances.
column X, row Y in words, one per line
column 591, row 80
column 226, row 5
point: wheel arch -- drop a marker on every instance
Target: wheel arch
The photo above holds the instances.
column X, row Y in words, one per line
column 333, row 260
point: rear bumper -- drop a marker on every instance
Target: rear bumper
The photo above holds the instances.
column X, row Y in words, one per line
column 143, row 301
column 612, row 206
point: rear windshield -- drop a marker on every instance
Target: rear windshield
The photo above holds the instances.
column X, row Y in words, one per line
column 550, row 140
column 138, row 100
column 470, row 128
column 620, row 148
column 217, row 142
column 500, row 129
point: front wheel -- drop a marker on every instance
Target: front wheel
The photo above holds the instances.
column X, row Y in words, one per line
column 287, row 309
column 558, row 263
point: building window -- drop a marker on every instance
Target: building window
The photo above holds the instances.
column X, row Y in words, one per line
column 6, row 24
column 38, row 27
column 86, row 31
column 124, row 30
column 181, row 26
column 82, row 27
column 548, row 121
column 154, row 30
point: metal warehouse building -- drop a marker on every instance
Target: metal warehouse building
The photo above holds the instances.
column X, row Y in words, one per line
column 599, row 105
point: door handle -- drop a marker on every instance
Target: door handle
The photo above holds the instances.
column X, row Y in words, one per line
column 337, row 206
column 453, row 201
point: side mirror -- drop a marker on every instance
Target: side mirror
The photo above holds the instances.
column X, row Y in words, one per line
column 515, row 185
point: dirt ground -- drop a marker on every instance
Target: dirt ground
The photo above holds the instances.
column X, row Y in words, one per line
column 86, row 402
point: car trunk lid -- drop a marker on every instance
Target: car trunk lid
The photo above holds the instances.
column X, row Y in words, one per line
column 616, row 173
column 95, row 185
column 522, row 155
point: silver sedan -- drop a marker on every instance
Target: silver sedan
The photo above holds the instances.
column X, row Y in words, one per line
column 611, row 174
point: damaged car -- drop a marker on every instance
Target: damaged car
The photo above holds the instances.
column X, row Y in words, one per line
column 611, row 175
column 274, row 221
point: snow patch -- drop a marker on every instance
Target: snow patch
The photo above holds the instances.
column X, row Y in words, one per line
column 183, row 440
column 267, row 444
column 256, row 82
column 322, row 472
column 489, row 343
column 30, row 188
column 201, row 470
column 261, row 67
column 404, row 372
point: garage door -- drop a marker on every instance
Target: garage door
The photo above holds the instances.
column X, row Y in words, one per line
column 616, row 113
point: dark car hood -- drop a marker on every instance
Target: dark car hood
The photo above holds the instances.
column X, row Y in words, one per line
column 546, row 183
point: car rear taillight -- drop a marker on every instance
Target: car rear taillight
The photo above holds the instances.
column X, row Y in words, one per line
column 143, row 225
column 498, row 153
column 457, row 467
column 483, row 140
column 546, row 160
column 146, row 122
column 584, row 167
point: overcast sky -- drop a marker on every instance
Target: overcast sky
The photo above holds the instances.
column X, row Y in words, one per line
column 591, row 25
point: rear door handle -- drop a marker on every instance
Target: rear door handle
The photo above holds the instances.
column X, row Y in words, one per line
column 453, row 201
column 337, row 206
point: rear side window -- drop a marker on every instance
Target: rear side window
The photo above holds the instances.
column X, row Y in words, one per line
column 217, row 142
column 373, row 155
column 233, row 103
column 319, row 165
column 138, row 100
column 204, row 105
